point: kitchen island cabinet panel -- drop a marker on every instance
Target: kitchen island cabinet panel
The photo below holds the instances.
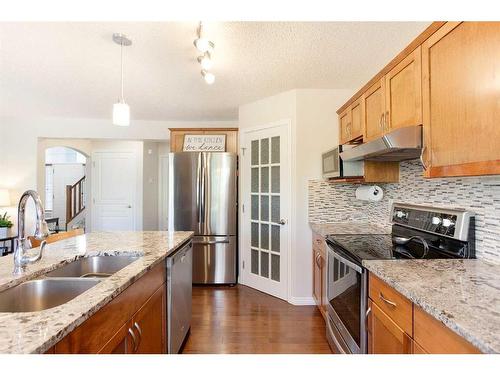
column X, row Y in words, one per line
column 94, row 335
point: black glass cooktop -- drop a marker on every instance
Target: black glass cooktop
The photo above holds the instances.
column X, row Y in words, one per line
column 385, row 246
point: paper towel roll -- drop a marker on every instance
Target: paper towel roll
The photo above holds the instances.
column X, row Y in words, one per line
column 369, row 193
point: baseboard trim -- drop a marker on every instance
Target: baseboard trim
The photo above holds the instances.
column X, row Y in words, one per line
column 301, row 301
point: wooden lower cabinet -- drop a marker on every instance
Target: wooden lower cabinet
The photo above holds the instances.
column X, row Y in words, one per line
column 133, row 322
column 150, row 323
column 436, row 338
column 385, row 336
column 319, row 273
column 396, row 326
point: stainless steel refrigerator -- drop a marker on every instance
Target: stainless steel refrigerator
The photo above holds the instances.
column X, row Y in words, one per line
column 203, row 199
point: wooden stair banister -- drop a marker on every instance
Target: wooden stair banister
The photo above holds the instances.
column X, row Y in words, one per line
column 74, row 199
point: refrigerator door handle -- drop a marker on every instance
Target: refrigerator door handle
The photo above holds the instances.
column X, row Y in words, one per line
column 202, row 189
column 199, row 172
column 210, row 242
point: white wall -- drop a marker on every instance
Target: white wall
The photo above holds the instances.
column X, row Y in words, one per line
column 313, row 118
column 19, row 142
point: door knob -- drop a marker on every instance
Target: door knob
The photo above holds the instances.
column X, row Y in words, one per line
column 129, row 206
column 282, row 222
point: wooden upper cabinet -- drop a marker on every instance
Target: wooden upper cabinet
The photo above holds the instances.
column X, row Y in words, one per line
column 403, row 93
column 374, row 110
column 344, row 123
column 384, row 335
column 351, row 125
column 177, row 137
column 357, row 126
column 461, row 99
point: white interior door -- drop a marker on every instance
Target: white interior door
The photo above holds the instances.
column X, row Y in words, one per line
column 114, row 183
column 64, row 174
column 266, row 199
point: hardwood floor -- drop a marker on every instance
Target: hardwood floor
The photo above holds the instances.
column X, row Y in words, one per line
column 243, row 320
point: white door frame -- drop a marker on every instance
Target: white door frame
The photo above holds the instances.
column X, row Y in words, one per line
column 244, row 177
column 137, row 195
column 163, row 192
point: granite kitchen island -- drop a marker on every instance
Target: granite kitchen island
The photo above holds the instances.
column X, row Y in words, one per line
column 39, row 331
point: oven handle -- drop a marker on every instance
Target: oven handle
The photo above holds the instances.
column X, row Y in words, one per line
column 338, row 345
column 344, row 260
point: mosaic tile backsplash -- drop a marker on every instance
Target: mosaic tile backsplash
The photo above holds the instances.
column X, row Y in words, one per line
column 333, row 202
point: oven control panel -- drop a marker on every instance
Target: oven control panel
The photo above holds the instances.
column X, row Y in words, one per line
column 430, row 220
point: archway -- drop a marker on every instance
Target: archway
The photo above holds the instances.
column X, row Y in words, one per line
column 65, row 189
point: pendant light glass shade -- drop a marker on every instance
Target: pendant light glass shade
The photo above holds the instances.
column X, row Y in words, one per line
column 121, row 114
column 121, row 110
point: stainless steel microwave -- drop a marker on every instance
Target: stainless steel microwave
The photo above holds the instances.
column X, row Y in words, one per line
column 334, row 167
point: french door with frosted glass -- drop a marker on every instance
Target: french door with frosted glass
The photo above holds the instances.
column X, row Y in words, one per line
column 265, row 194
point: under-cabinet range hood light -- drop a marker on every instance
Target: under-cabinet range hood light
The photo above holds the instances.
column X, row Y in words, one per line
column 398, row 145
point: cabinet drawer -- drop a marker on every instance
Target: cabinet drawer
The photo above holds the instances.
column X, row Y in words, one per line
column 435, row 338
column 395, row 305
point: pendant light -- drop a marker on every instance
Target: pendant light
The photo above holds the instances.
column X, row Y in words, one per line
column 121, row 110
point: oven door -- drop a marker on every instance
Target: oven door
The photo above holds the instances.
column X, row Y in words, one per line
column 347, row 299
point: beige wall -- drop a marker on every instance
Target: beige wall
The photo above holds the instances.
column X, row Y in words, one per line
column 19, row 137
column 313, row 118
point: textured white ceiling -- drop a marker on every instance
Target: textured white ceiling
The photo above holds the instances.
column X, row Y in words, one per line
column 72, row 69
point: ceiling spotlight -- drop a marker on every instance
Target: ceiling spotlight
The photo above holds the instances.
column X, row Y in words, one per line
column 209, row 77
column 205, row 61
column 202, row 44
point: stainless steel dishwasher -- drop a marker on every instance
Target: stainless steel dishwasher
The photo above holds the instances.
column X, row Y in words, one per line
column 179, row 294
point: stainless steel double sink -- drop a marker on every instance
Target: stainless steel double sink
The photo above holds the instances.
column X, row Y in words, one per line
column 62, row 284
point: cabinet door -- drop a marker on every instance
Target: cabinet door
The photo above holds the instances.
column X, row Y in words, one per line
column 344, row 125
column 461, row 100
column 373, row 101
column 403, row 93
column 149, row 325
column 356, row 128
column 122, row 342
column 385, row 336
column 317, row 287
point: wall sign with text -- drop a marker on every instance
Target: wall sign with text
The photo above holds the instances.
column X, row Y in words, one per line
column 204, row 142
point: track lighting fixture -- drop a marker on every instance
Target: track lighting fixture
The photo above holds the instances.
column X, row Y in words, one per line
column 206, row 47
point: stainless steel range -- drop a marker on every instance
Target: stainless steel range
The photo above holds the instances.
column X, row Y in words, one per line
column 418, row 232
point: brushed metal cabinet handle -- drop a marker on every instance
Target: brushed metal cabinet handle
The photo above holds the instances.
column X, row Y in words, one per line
column 138, row 327
column 367, row 314
column 422, row 158
column 318, row 258
column 131, row 333
column 389, row 302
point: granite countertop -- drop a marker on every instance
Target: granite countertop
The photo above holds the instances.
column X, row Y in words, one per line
column 348, row 227
column 36, row 332
column 464, row 294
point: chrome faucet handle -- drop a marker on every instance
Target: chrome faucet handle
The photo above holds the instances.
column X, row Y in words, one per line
column 21, row 260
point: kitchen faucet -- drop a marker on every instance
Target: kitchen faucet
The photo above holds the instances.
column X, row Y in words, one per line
column 21, row 260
